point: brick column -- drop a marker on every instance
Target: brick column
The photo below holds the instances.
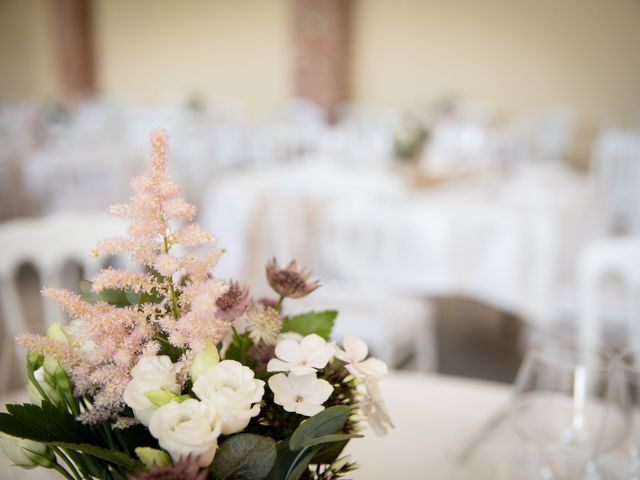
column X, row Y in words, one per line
column 321, row 35
column 74, row 46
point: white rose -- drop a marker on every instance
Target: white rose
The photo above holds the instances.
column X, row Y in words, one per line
column 150, row 374
column 232, row 389
column 188, row 428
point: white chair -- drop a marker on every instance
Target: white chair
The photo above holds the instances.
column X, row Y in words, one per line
column 47, row 244
column 616, row 171
column 359, row 251
column 619, row 257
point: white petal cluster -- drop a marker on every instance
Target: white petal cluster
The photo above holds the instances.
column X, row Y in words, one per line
column 301, row 391
column 150, row 374
column 369, row 371
column 233, row 390
column 301, row 394
column 355, row 356
column 301, row 357
column 190, row 428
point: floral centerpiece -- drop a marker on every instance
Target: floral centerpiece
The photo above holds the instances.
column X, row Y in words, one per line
column 167, row 372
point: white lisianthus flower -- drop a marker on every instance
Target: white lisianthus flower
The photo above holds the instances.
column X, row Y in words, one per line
column 233, row 390
column 26, row 453
column 354, row 354
column 190, row 428
column 302, row 394
column 374, row 408
column 301, row 357
column 151, row 373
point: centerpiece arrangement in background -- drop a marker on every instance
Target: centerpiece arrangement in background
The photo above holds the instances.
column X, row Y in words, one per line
column 167, row 372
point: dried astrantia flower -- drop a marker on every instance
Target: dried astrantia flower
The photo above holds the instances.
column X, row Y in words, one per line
column 233, row 302
column 290, row 281
column 183, row 470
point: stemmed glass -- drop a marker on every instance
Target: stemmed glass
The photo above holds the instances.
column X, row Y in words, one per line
column 623, row 463
column 569, row 406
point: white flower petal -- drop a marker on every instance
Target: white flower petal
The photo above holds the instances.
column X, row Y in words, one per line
column 281, row 388
column 308, row 409
column 276, row 365
column 302, row 370
column 374, row 368
column 289, row 351
column 319, row 392
column 355, row 348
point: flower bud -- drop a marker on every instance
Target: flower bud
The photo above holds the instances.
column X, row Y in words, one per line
column 161, row 397
column 35, row 396
column 57, row 332
column 34, row 361
column 27, row 453
column 153, row 456
column 204, row 360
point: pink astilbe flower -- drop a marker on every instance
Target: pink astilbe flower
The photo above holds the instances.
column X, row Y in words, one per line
column 192, row 235
column 121, row 279
column 109, row 340
column 179, row 209
column 62, row 352
column 166, row 264
column 199, row 268
column 70, row 302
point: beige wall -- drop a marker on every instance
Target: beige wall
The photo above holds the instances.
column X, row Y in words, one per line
column 515, row 54
column 27, row 65
column 148, row 49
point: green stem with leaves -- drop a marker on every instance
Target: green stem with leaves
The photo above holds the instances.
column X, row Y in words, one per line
column 174, row 299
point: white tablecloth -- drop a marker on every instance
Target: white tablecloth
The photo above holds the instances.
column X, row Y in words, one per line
column 507, row 240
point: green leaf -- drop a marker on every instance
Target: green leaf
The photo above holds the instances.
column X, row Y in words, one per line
column 290, row 465
column 320, row 323
column 329, row 452
column 244, row 457
column 112, row 456
column 118, row 298
column 45, row 424
column 87, row 293
column 327, row 422
column 335, row 437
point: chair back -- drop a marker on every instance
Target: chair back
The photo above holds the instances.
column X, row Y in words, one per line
column 47, row 244
column 619, row 257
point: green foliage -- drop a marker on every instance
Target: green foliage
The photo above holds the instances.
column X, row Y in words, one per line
column 56, row 427
column 244, row 457
column 309, row 440
column 320, row 323
column 290, row 465
column 330, row 421
column 112, row 456
column 238, row 348
column 45, row 424
column 116, row 297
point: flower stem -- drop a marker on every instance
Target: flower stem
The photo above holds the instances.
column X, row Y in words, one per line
column 279, row 304
column 63, row 472
column 65, row 459
column 174, row 300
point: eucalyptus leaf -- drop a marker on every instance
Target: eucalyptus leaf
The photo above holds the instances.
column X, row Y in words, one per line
column 244, row 457
column 331, row 420
column 335, row 437
column 320, row 323
column 290, row 465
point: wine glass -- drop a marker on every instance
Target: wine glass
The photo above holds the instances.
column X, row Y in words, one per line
column 623, row 463
column 568, row 405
